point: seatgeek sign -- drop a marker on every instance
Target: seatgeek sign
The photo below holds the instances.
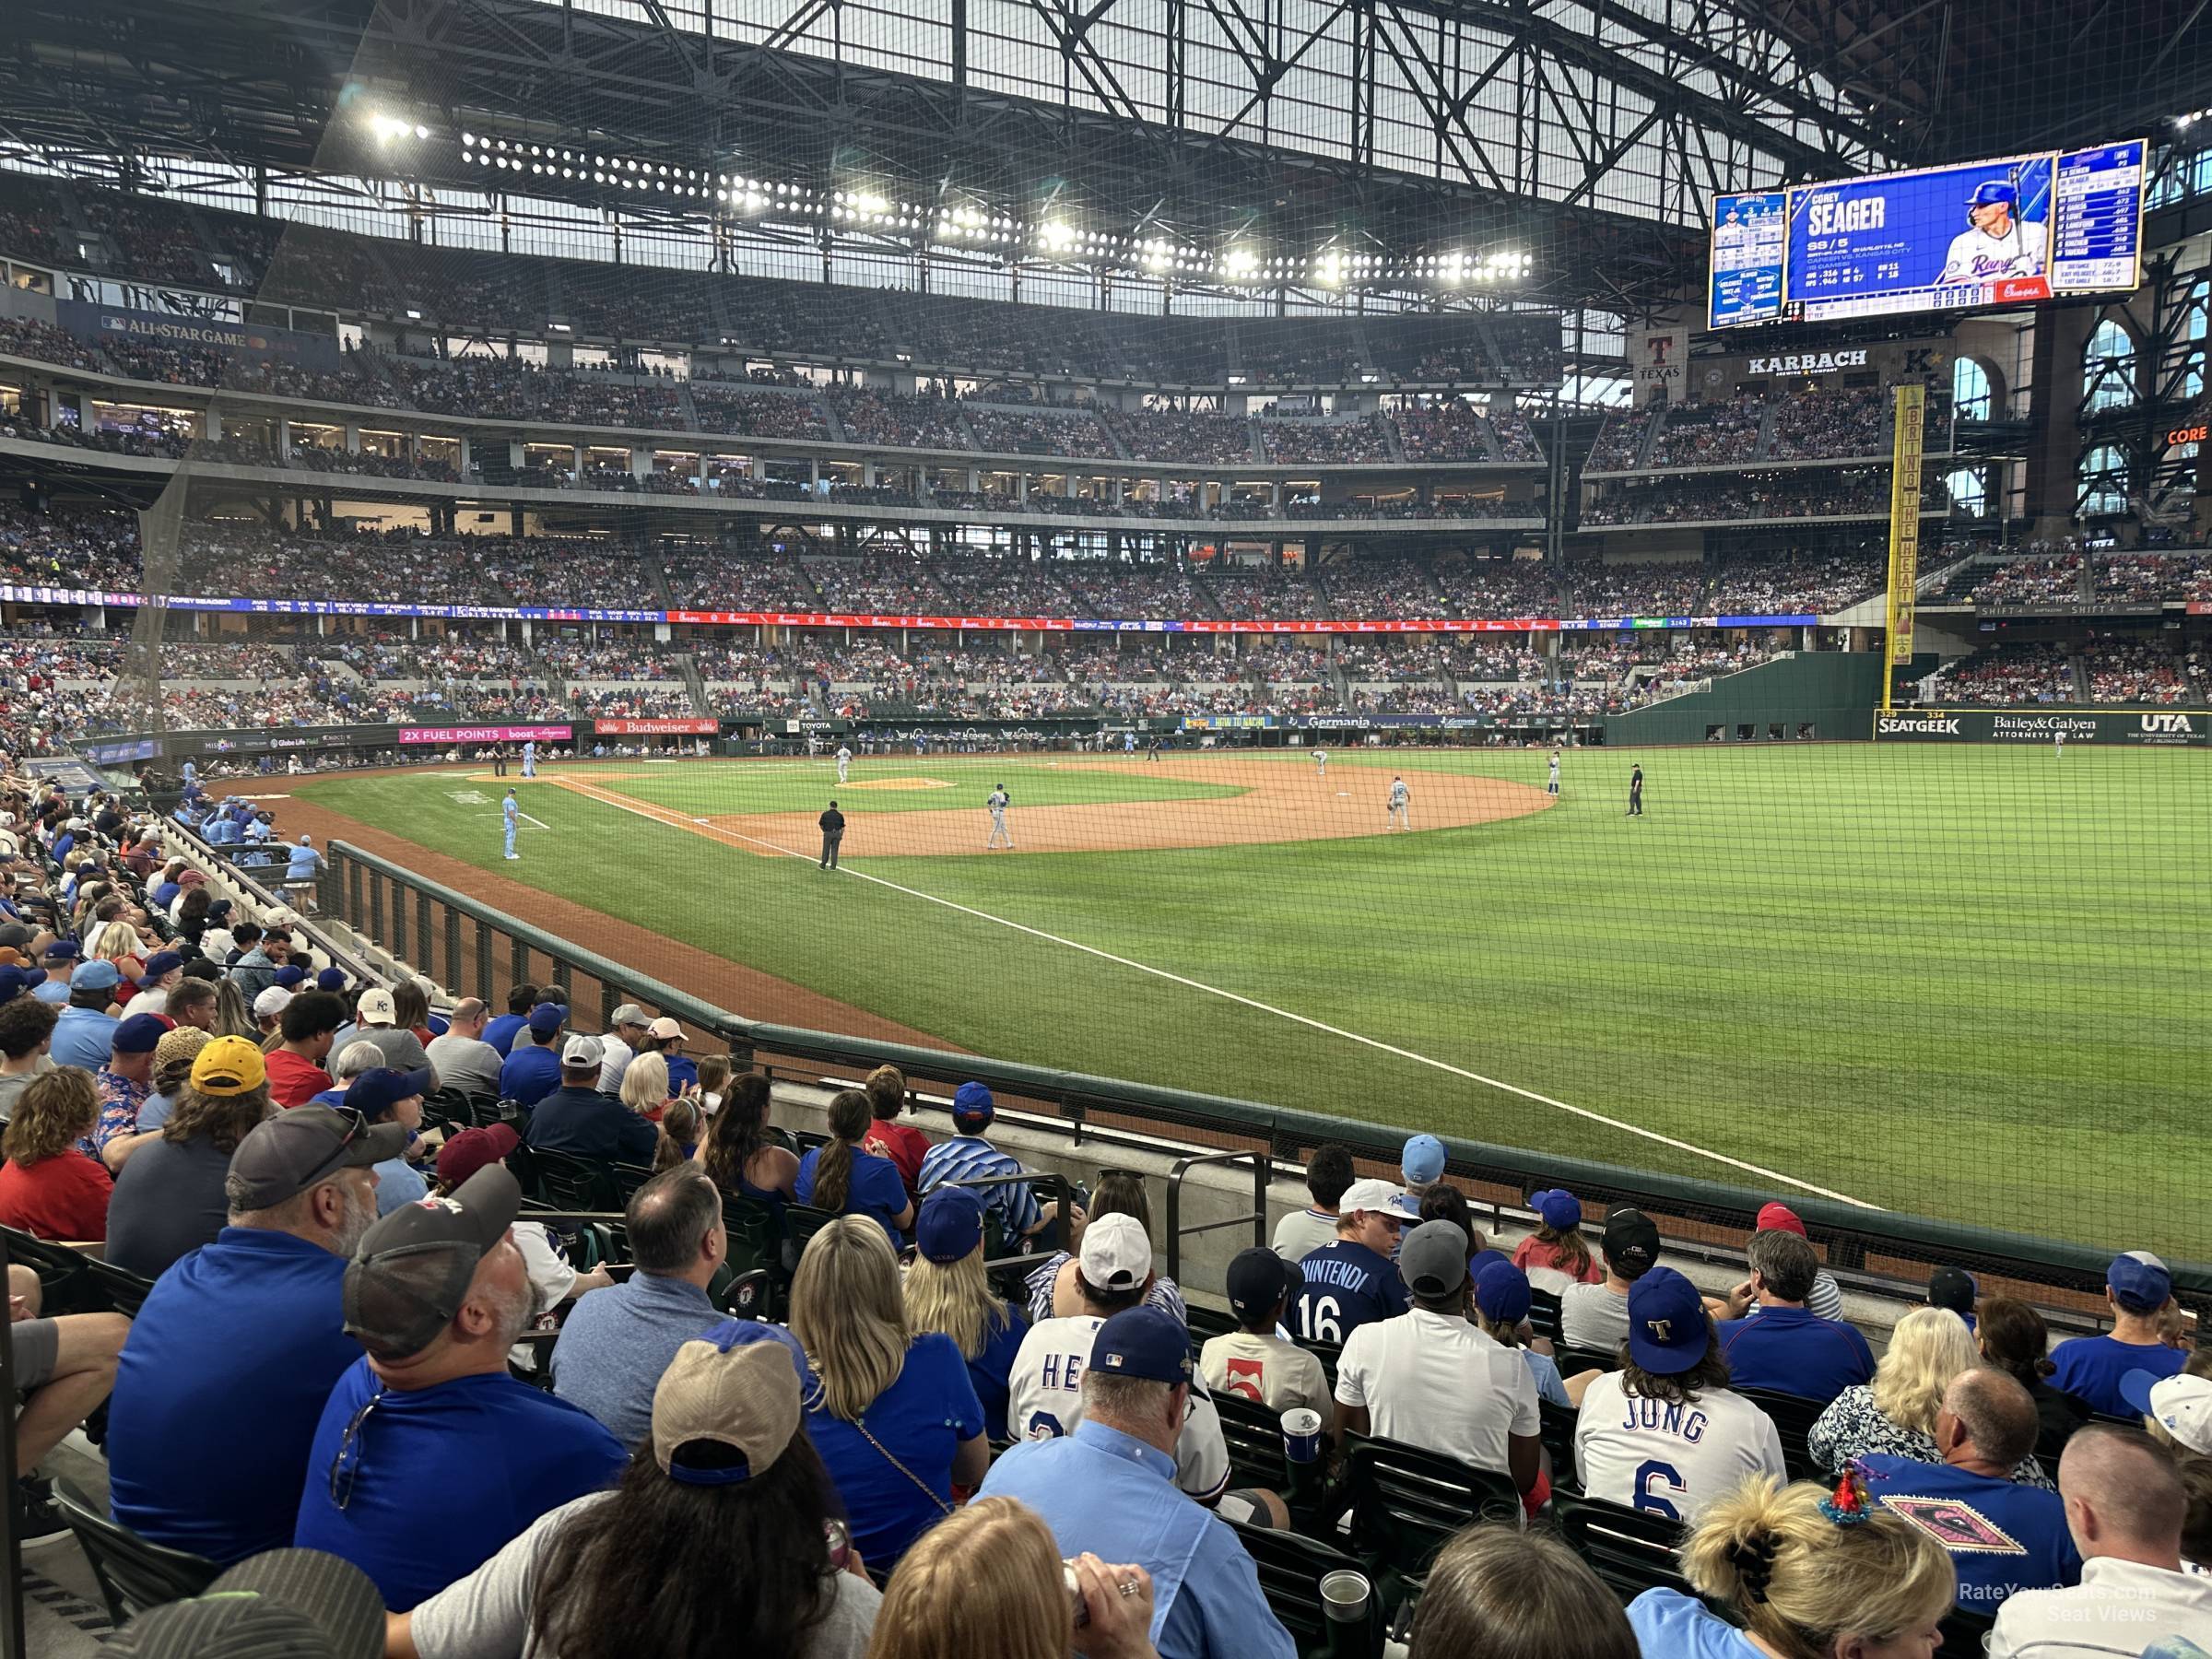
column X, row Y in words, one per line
column 2158, row 728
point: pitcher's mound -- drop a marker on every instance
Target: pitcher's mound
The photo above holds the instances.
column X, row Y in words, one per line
column 898, row 784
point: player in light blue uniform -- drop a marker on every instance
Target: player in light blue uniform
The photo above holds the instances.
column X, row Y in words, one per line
column 1401, row 805
column 1553, row 787
column 511, row 811
column 530, row 759
column 1321, row 763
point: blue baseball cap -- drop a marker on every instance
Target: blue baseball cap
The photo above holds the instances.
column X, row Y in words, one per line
column 290, row 975
column 1143, row 1342
column 15, row 981
column 138, row 1035
column 547, row 1018
column 96, row 976
column 1423, row 1160
column 1668, row 1331
column 1501, row 1292
column 1560, row 1208
column 159, row 963
column 373, row 1093
column 950, row 1227
column 331, row 979
column 972, row 1103
column 2139, row 1282
column 63, row 951
column 1992, row 191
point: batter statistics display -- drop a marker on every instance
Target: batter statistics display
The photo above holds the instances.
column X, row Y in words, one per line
column 2012, row 231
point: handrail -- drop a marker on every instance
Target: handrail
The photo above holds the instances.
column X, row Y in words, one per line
column 1262, row 1171
column 355, row 888
column 357, row 970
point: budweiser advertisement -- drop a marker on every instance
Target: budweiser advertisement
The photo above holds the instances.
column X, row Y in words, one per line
column 655, row 728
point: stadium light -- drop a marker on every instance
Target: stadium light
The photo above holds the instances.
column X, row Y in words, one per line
column 1240, row 265
column 386, row 127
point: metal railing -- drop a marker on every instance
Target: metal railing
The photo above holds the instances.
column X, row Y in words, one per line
column 478, row 950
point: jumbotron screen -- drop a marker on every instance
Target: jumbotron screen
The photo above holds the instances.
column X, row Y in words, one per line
column 2007, row 231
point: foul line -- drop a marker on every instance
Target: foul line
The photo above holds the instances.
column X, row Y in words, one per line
column 661, row 815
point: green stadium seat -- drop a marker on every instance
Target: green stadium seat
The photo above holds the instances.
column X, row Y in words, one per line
column 1290, row 1569
column 133, row 1574
column 1632, row 1550
column 1794, row 1417
column 1253, row 1435
column 1406, row 1501
column 1544, row 1313
column 576, row 1183
column 65, row 1284
column 1555, row 1427
column 124, row 1292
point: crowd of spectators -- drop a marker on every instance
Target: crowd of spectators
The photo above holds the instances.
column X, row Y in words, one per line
column 26, row 337
column 1708, row 434
column 93, row 548
column 1258, row 593
column 1797, row 581
column 1335, row 442
column 1813, row 494
column 1000, row 431
column 2134, row 670
column 2004, row 675
column 1821, row 425
column 1183, row 437
column 2027, row 581
column 757, row 414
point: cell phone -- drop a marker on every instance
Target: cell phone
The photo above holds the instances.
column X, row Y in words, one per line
column 1075, row 1593
column 840, row 1540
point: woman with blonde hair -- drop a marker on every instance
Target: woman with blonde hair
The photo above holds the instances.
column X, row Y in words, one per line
column 49, row 1186
column 891, row 1411
column 1895, row 1415
column 232, row 1017
column 948, row 1291
column 1809, row 1574
column 990, row 1579
column 645, row 1085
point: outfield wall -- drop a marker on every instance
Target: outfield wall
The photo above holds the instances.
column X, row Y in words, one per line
column 2159, row 728
column 1807, row 694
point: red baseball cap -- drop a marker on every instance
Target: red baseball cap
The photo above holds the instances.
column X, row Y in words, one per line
column 472, row 1149
column 1780, row 1218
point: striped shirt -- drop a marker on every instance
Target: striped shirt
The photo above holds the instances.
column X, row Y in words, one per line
column 970, row 1158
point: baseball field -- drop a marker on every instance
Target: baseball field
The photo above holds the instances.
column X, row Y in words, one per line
column 1968, row 981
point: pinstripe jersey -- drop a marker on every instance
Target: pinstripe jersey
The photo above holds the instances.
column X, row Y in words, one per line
column 970, row 1157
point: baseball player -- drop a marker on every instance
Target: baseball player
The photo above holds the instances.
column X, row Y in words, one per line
column 530, row 758
column 1129, row 743
column 845, row 762
column 1553, row 786
column 2058, row 742
column 1401, row 805
column 1996, row 243
column 1321, row 763
column 1636, row 792
column 814, row 744
column 999, row 804
column 510, row 811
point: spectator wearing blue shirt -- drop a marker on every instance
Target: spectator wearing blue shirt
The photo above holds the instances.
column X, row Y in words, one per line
column 2003, row 1536
column 891, row 1411
column 948, row 1291
column 1354, row 1281
column 533, row 1067
column 85, row 1035
column 1787, row 1348
column 429, row 1456
column 1800, row 1569
column 844, row 1179
column 238, row 1345
column 1109, row 1489
column 383, row 1095
column 618, row 1342
column 502, row 1031
column 577, row 1119
column 665, row 1035
column 2138, row 1286
column 967, row 1156
column 303, row 862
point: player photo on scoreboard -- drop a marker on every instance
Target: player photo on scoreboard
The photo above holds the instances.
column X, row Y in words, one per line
column 2004, row 238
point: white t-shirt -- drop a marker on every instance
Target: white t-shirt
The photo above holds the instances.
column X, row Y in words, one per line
column 1594, row 1317
column 1652, row 1454
column 614, row 1060
column 1977, row 256
column 1044, row 1399
column 1301, row 1232
column 1280, row 1375
column 1437, row 1381
column 2120, row 1607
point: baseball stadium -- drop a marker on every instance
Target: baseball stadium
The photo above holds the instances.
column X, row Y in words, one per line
column 1418, row 717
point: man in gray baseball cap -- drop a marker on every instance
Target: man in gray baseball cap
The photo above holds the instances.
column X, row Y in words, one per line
column 625, row 1030
column 437, row 1294
column 1432, row 1376
column 239, row 1342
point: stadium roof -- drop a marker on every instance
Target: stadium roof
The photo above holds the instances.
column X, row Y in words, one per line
column 1587, row 133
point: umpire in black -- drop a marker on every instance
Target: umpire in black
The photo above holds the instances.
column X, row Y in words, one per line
column 834, row 832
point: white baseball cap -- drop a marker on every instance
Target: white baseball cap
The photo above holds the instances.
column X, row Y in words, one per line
column 1385, row 1197
column 1116, row 1255
column 580, row 1051
column 2182, row 1405
column 272, row 1002
column 376, row 1007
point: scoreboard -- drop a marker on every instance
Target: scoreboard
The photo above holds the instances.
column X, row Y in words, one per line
column 2011, row 231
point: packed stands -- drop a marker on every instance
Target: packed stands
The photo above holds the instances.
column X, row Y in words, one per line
column 2005, row 675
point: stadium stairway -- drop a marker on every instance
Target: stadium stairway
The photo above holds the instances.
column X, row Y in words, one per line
column 688, row 667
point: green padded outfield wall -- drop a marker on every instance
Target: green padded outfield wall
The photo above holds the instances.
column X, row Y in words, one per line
column 1819, row 694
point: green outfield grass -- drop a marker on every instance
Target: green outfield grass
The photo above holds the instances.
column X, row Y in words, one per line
column 1966, row 981
column 950, row 782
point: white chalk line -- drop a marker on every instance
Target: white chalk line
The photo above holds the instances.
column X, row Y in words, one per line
column 655, row 815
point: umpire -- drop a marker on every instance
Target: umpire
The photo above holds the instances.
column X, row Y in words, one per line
column 834, row 832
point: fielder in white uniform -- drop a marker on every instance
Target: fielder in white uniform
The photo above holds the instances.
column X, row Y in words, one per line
column 1668, row 1436
column 1401, row 805
column 999, row 802
column 1553, row 787
column 1996, row 244
column 1321, row 763
column 845, row 762
column 2058, row 743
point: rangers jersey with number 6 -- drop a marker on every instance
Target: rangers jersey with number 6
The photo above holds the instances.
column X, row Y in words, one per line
column 1044, row 1399
column 1671, row 1460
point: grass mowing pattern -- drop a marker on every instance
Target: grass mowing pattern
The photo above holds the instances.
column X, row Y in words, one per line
column 1961, row 981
